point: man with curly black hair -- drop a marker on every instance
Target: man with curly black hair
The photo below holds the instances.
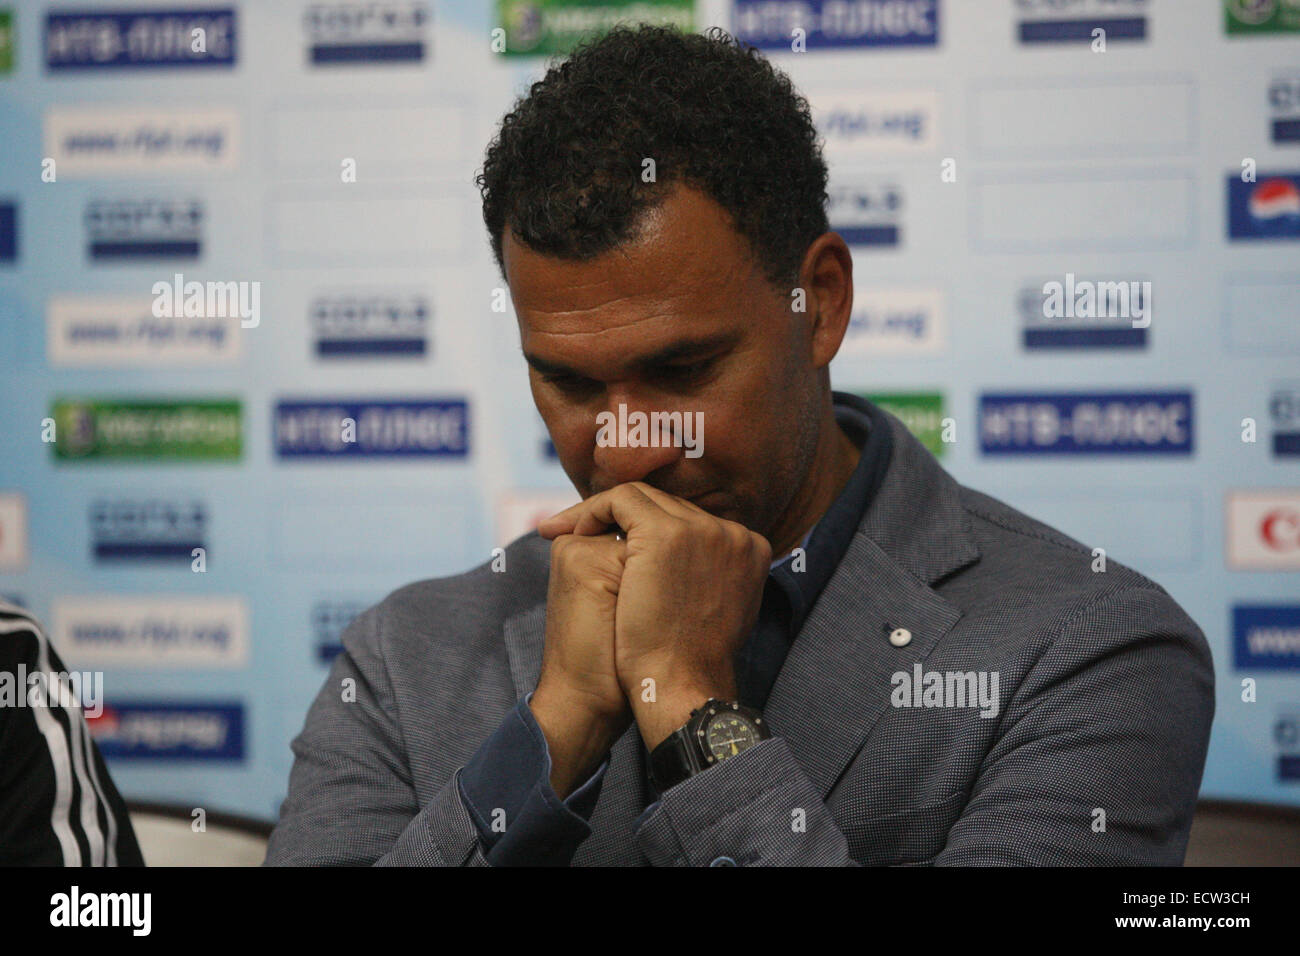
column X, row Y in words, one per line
column 922, row 675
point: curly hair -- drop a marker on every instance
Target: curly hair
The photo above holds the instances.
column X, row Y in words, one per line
column 565, row 169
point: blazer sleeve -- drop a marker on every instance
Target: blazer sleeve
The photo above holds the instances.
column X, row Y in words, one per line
column 1103, row 744
column 351, row 798
column 756, row 809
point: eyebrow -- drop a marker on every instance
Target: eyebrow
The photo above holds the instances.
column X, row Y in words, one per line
column 648, row 363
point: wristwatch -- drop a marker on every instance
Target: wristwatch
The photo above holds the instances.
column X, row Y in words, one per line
column 716, row 731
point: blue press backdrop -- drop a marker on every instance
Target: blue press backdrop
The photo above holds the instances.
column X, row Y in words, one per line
column 1115, row 165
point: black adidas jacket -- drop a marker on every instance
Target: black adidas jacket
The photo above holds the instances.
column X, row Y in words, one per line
column 58, row 805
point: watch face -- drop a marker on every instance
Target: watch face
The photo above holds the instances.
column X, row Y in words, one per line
column 727, row 734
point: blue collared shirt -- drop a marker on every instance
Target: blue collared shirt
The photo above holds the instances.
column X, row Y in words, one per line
column 505, row 785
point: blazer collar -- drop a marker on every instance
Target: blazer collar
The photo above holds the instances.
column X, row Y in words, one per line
column 917, row 517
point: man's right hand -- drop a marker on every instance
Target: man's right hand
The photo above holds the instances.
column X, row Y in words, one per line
column 579, row 702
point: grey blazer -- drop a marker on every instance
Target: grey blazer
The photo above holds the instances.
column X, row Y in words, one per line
column 1094, row 754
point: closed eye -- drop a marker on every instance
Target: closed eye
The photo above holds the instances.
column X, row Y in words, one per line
column 685, row 373
column 682, row 375
column 573, row 384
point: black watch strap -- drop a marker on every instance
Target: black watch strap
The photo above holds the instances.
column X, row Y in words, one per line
column 670, row 762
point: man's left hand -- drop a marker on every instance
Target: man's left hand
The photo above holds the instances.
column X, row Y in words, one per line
column 690, row 594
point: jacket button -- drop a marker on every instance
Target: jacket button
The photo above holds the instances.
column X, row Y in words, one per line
column 900, row 637
column 723, row 861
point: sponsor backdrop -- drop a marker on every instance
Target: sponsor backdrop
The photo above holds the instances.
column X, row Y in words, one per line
column 227, row 228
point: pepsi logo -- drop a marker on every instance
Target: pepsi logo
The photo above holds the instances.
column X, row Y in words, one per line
column 1274, row 199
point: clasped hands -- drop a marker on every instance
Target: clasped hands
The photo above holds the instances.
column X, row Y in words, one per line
column 645, row 628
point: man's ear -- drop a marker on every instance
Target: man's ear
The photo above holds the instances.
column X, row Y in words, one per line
column 827, row 275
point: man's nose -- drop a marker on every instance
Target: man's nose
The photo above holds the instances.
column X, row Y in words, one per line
column 629, row 447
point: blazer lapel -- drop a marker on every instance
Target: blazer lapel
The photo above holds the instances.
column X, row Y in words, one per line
column 525, row 637
column 837, row 678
